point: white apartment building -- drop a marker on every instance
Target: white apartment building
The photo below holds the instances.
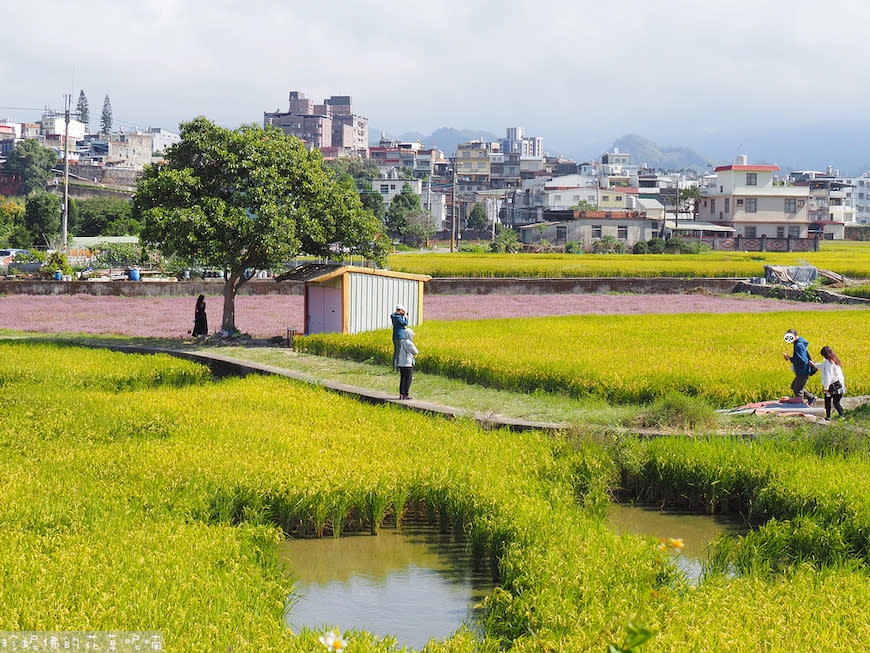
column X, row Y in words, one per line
column 389, row 187
column 517, row 142
column 162, row 139
column 861, row 196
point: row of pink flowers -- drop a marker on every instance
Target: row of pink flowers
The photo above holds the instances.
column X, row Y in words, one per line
column 271, row 315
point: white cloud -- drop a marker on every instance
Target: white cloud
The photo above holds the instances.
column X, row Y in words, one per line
column 564, row 70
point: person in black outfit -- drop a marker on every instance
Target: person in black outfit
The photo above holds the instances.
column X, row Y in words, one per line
column 200, row 321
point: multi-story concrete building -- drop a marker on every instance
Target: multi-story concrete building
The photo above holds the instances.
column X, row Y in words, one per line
column 747, row 198
column 331, row 127
column 862, row 198
column 391, row 186
column 517, row 142
column 473, row 164
column 162, row 139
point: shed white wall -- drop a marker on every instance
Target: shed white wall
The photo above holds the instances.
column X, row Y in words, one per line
column 373, row 298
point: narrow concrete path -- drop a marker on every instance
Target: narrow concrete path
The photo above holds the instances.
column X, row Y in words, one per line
column 227, row 366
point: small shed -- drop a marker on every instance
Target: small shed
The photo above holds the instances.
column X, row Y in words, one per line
column 349, row 299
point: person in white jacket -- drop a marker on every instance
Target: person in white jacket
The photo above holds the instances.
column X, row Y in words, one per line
column 407, row 352
column 833, row 381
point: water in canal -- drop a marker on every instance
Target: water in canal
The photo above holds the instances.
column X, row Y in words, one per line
column 415, row 584
column 697, row 531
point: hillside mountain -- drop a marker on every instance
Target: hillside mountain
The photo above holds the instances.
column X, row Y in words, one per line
column 843, row 145
column 445, row 139
column 643, row 150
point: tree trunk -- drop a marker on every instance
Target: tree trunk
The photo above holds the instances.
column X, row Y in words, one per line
column 231, row 285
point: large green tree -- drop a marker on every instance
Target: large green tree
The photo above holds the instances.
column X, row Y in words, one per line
column 32, row 162
column 103, row 216
column 371, row 199
column 11, row 216
column 83, row 110
column 249, row 199
column 106, row 116
column 42, row 217
column 478, row 218
column 401, row 205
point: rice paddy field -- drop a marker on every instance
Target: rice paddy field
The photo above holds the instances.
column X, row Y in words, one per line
column 848, row 258
column 728, row 359
column 139, row 493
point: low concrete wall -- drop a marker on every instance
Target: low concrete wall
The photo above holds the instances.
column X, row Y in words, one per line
column 146, row 288
column 464, row 286
column 781, row 292
column 576, row 286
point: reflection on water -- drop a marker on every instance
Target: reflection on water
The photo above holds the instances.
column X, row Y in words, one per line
column 415, row 584
column 697, row 531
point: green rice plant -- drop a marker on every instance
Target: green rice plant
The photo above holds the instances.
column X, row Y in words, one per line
column 862, row 291
column 850, row 259
column 170, row 521
column 726, row 360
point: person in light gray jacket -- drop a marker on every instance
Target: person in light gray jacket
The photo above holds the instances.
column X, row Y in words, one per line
column 407, row 353
column 833, row 381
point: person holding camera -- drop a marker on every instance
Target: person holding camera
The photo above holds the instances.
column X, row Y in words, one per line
column 833, row 381
column 399, row 318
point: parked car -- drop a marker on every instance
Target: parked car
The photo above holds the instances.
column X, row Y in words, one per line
column 7, row 255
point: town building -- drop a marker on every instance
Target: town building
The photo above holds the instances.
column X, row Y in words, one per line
column 747, row 198
column 862, row 198
column 390, row 186
column 559, row 227
column 162, row 139
column 517, row 142
column 331, row 127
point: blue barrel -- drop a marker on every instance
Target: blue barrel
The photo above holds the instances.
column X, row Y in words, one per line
column 57, row 275
column 134, row 274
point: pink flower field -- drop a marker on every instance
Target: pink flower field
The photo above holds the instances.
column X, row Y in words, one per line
column 271, row 315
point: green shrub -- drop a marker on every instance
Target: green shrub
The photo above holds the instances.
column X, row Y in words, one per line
column 777, row 292
column 608, row 245
column 656, row 245
column 810, row 294
column 678, row 410
column 640, row 247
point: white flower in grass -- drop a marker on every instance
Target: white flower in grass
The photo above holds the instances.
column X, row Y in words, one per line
column 333, row 641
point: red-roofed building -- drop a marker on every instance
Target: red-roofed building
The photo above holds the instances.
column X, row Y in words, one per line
column 749, row 199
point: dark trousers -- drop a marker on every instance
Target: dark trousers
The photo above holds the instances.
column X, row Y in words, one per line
column 835, row 399
column 405, row 376
column 798, row 385
column 396, row 346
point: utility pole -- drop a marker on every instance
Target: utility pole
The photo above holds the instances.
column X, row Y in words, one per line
column 65, row 223
column 677, row 207
column 453, row 220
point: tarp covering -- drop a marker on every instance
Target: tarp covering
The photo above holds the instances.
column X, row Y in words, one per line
column 786, row 407
column 790, row 275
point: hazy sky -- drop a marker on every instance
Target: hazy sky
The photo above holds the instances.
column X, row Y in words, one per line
column 572, row 72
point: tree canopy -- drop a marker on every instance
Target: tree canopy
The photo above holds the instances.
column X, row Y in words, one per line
column 106, row 116
column 401, row 205
column 41, row 218
column 32, row 162
column 477, row 219
column 102, row 216
column 83, row 110
column 249, row 199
